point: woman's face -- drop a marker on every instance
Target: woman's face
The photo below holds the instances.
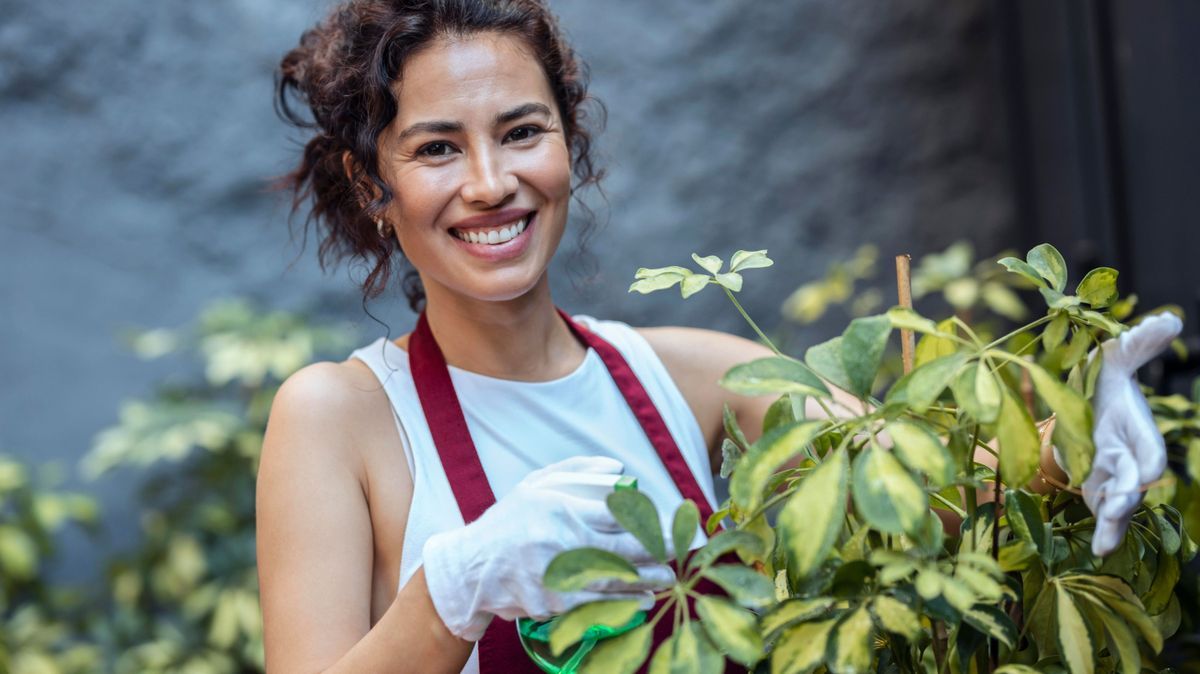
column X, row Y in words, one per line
column 479, row 164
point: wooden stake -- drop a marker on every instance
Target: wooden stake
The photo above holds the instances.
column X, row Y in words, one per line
column 904, row 290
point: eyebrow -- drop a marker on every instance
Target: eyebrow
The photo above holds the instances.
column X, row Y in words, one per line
column 442, row 126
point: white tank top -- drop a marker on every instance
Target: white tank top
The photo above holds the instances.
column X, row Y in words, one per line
column 518, row 427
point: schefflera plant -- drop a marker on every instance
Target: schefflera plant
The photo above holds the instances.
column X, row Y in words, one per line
column 840, row 560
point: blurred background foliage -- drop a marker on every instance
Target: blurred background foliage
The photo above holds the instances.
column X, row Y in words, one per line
column 185, row 599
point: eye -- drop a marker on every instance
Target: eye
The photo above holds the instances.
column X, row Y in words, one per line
column 435, row 149
column 525, row 132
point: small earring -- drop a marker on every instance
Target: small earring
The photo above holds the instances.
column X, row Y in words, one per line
column 383, row 228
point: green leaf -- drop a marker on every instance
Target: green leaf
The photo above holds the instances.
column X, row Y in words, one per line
column 1056, row 300
column 893, row 615
column 731, row 280
column 683, row 528
column 659, row 278
column 1016, row 669
column 963, row 387
column 1073, row 428
column 863, row 343
column 925, row 384
column 1022, row 268
column 903, row 318
column 1077, row 349
column 811, row 519
column 992, row 622
column 710, row 263
column 849, row 652
column 783, row 412
column 931, row 347
column 1049, row 264
column 886, row 495
column 622, row 654
column 733, row 629
column 1074, row 642
column 1163, row 588
column 1099, row 287
column 687, row 651
column 793, row 611
column 636, row 512
column 693, row 284
column 921, row 450
column 1121, row 642
column 731, row 454
column 1019, row 444
column 801, row 648
column 1002, row 300
column 987, row 392
column 746, row 586
column 570, row 627
column 732, row 429
column 727, row 541
column 1056, row 331
column 649, row 285
column 750, row 259
column 576, row 569
column 765, row 457
column 826, row 360
column 773, row 375
column 18, row 553
column 1025, row 518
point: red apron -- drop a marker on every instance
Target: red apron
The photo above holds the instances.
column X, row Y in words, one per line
column 500, row 649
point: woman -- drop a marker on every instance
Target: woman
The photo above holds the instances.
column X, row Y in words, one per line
column 411, row 496
column 365, row 563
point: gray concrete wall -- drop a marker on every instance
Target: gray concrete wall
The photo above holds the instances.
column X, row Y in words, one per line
column 137, row 137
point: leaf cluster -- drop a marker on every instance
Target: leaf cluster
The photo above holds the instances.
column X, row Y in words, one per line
column 842, row 557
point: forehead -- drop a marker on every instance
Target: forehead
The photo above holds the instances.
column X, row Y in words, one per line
column 477, row 75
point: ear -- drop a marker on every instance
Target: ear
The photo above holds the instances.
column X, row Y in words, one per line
column 365, row 189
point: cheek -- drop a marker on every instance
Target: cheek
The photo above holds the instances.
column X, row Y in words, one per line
column 550, row 171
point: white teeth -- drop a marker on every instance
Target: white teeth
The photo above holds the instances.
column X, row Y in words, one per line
column 495, row 236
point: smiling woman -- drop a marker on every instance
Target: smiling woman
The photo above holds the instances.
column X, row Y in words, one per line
column 410, row 498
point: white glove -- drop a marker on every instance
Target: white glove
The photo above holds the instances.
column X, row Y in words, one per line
column 1130, row 452
column 494, row 565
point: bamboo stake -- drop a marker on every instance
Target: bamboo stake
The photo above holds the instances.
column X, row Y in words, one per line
column 904, row 290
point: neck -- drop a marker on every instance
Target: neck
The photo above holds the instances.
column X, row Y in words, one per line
column 521, row 339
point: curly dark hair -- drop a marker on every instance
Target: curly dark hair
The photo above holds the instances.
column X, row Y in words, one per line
column 343, row 71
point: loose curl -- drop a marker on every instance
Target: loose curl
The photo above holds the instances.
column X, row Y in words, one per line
column 343, row 71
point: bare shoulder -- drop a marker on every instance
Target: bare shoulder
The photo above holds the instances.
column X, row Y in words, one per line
column 314, row 532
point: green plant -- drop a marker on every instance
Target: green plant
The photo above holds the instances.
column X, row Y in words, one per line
column 186, row 599
column 40, row 622
column 879, row 585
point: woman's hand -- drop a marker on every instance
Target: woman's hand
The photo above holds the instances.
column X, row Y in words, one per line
column 494, row 565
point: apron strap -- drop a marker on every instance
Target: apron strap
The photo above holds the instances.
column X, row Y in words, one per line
column 647, row 415
column 447, row 425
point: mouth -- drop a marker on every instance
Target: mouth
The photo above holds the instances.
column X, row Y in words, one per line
column 493, row 236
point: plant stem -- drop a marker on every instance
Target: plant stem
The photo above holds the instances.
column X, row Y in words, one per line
column 767, row 340
column 754, row 326
column 1014, row 333
column 946, row 502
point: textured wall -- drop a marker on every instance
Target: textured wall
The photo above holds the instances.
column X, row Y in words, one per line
column 136, row 138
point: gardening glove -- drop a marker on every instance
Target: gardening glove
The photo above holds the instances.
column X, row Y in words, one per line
column 1130, row 452
column 494, row 566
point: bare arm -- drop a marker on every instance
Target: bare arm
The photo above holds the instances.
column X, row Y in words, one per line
column 315, row 543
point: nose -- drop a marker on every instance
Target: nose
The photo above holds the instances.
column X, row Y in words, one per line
column 490, row 182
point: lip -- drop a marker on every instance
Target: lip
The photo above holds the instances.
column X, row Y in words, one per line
column 501, row 251
column 504, row 217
